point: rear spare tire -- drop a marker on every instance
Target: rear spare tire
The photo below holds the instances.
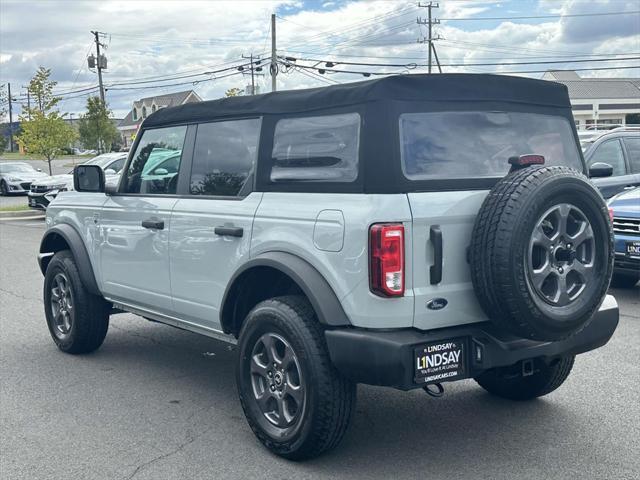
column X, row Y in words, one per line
column 542, row 252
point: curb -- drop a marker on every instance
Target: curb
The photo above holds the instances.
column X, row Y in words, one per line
column 21, row 214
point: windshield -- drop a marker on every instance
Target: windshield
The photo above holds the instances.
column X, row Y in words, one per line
column 479, row 144
column 16, row 167
column 104, row 160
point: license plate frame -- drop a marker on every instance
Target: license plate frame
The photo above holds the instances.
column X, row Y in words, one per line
column 440, row 361
column 632, row 248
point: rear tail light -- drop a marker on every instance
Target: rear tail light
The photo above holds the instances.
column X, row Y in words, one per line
column 526, row 160
column 386, row 266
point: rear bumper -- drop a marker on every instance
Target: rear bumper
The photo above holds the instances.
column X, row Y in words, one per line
column 387, row 357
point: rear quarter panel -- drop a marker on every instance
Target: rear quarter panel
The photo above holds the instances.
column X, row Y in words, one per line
column 286, row 222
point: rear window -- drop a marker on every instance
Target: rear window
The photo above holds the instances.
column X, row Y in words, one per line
column 316, row 149
column 479, row 144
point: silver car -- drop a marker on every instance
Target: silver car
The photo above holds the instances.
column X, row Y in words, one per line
column 44, row 190
column 16, row 177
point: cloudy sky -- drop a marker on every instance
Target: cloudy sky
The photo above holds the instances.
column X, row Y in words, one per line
column 156, row 47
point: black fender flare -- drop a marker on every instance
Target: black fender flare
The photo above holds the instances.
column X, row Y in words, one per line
column 50, row 244
column 323, row 299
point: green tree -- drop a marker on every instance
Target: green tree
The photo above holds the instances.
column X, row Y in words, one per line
column 233, row 92
column 95, row 128
column 41, row 90
column 46, row 134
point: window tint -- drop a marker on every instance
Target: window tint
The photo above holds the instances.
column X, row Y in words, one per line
column 633, row 148
column 224, row 157
column 479, row 144
column 154, row 167
column 610, row 152
column 316, row 149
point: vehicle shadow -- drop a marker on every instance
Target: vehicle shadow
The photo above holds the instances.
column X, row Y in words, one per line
column 395, row 434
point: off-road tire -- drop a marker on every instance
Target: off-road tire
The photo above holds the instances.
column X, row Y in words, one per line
column 90, row 315
column 500, row 247
column 624, row 281
column 508, row 382
column 329, row 399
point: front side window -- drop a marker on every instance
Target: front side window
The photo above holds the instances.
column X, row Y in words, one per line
column 633, row 148
column 156, row 162
column 316, row 149
column 477, row 144
column 610, row 152
column 224, row 157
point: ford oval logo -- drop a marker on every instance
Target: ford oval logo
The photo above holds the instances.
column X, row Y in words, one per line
column 437, row 304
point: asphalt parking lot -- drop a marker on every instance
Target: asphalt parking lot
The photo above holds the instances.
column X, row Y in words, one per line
column 159, row 403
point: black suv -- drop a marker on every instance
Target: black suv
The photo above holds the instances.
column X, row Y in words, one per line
column 620, row 149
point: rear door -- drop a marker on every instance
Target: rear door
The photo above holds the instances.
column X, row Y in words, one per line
column 135, row 226
column 211, row 227
column 457, row 147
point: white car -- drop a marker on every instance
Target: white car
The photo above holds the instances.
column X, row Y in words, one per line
column 16, row 177
column 43, row 191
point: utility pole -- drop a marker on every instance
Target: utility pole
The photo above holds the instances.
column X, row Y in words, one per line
column 99, row 63
column 274, row 62
column 253, row 83
column 10, row 119
column 430, row 22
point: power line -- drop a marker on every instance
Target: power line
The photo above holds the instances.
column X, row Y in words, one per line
column 175, row 84
column 528, row 17
column 485, row 64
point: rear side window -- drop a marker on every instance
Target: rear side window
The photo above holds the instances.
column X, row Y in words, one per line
column 610, row 152
column 316, row 149
column 479, row 144
column 633, row 148
column 156, row 162
column 224, row 157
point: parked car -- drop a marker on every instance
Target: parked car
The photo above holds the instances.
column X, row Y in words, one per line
column 625, row 209
column 43, row 191
column 405, row 232
column 620, row 149
column 16, row 177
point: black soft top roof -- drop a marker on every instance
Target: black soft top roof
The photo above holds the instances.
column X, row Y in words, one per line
column 449, row 87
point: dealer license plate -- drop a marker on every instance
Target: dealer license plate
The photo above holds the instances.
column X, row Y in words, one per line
column 633, row 249
column 440, row 361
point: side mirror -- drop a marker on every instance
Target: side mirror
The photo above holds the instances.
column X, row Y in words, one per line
column 88, row 178
column 600, row 169
column 161, row 171
column 110, row 171
column 38, row 169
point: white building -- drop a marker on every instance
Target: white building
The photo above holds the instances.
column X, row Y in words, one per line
column 146, row 106
column 599, row 101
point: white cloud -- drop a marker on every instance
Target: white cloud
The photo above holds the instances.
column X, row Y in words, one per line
column 170, row 37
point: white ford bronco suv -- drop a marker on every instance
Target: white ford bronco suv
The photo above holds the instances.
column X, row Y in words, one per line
column 404, row 232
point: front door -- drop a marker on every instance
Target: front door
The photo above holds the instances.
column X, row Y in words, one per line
column 211, row 227
column 135, row 223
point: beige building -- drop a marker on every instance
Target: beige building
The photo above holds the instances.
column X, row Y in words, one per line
column 144, row 107
column 599, row 102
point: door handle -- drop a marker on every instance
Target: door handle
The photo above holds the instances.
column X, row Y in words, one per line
column 629, row 187
column 153, row 224
column 229, row 231
column 435, row 271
